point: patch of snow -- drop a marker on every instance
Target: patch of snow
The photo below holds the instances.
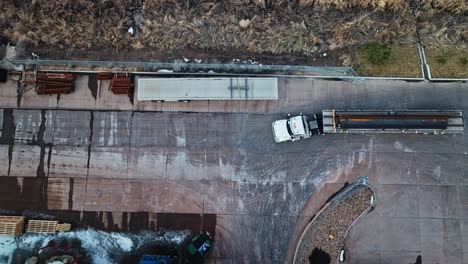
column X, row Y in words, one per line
column 130, row 30
column 101, row 246
column 166, row 71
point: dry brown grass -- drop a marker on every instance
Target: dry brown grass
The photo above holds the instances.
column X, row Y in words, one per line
column 302, row 27
column 70, row 23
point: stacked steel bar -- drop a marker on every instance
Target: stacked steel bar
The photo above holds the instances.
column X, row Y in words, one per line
column 54, row 83
column 425, row 122
column 101, row 76
column 121, row 83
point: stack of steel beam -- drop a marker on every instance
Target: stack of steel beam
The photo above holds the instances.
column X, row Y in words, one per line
column 54, row 83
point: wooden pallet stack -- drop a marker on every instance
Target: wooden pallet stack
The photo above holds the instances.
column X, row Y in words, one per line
column 121, row 83
column 63, row 227
column 11, row 225
column 54, row 83
column 41, row 226
column 46, row 227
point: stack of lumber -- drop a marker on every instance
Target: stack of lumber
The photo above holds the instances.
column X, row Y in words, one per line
column 63, row 227
column 54, row 83
column 11, row 225
column 46, row 227
column 121, row 83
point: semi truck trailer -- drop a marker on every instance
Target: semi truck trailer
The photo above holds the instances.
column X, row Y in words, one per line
column 296, row 127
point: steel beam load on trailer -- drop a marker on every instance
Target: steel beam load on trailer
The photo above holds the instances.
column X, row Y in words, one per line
column 186, row 89
column 426, row 122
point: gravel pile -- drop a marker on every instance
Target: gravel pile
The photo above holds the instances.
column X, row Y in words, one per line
column 328, row 229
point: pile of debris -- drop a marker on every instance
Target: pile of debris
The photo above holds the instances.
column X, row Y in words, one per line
column 323, row 238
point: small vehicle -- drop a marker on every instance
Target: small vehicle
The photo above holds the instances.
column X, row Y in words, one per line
column 200, row 245
column 294, row 128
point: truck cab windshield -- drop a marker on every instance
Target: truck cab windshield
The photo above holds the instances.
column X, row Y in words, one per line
column 288, row 127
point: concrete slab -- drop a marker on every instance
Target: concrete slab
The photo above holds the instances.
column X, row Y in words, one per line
column 438, row 202
column 420, row 143
column 26, row 160
column 30, row 99
column 435, row 169
column 440, row 241
column 8, row 94
column 147, row 106
column 218, row 166
column 143, row 196
column 364, row 238
column 187, row 164
column 223, row 106
column 188, row 130
column 400, row 234
column 58, row 194
column 397, row 200
column 68, row 162
column 80, row 98
column 27, row 123
column 389, row 257
column 464, row 239
column 78, row 193
column 192, row 106
column 150, row 130
column 4, row 160
column 104, row 195
column 147, row 163
column 463, row 201
column 71, row 128
column 395, row 169
column 229, row 202
column 184, row 196
column 106, row 100
column 286, row 199
column 364, row 257
column 108, row 163
column 253, row 238
column 111, row 129
column 464, row 166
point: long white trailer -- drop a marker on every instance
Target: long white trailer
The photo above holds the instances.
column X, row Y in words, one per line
column 186, row 89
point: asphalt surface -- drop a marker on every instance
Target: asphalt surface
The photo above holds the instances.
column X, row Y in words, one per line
column 128, row 165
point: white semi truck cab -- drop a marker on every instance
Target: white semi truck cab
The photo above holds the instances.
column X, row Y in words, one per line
column 294, row 128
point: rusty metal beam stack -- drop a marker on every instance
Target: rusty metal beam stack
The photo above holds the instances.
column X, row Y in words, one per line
column 101, row 76
column 54, row 83
column 121, row 83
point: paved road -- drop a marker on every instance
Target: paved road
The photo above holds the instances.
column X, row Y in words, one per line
column 124, row 163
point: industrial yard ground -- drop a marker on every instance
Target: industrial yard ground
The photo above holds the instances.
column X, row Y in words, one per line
column 114, row 165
